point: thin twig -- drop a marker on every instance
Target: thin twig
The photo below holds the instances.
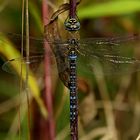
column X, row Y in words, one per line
column 27, row 66
column 21, row 82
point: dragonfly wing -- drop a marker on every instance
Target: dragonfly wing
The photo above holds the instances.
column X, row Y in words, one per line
column 59, row 65
column 15, row 66
column 58, row 47
column 61, row 55
column 110, row 40
column 110, row 65
column 36, row 43
column 109, row 45
column 115, row 56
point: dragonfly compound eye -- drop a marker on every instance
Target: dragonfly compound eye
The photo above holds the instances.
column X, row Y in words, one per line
column 72, row 24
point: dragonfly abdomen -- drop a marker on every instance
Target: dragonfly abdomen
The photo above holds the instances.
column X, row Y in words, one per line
column 73, row 93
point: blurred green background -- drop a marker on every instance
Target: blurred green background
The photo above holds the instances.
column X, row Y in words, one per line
column 108, row 106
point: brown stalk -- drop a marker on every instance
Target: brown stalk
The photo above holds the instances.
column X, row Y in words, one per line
column 50, row 124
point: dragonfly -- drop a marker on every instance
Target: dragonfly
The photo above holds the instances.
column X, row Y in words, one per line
column 115, row 55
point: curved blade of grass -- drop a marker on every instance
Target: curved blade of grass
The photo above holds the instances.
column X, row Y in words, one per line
column 8, row 50
column 113, row 8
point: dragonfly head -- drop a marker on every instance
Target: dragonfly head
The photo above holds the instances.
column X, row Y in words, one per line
column 72, row 24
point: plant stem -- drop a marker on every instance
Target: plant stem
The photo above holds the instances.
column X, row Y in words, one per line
column 27, row 66
column 50, row 129
column 72, row 12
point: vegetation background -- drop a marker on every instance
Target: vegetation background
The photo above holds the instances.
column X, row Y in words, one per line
column 108, row 106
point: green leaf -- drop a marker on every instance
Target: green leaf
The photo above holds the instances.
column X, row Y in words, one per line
column 113, row 8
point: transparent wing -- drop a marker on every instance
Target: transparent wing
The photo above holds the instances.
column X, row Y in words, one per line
column 14, row 66
column 40, row 39
column 106, row 45
column 36, row 66
column 36, row 43
column 37, row 52
column 34, row 63
column 110, row 65
column 114, row 55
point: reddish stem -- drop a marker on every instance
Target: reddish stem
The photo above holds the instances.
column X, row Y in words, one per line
column 72, row 13
column 50, row 125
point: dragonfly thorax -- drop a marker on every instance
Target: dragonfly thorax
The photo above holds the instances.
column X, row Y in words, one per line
column 73, row 45
column 73, row 41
